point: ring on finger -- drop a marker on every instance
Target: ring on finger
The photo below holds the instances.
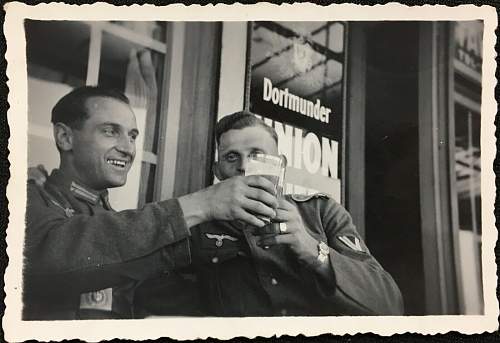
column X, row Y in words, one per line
column 283, row 228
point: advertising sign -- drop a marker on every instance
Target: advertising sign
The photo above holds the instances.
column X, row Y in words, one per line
column 297, row 74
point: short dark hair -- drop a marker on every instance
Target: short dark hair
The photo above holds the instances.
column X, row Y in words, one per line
column 241, row 120
column 71, row 109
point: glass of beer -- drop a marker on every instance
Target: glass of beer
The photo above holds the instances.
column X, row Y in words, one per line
column 272, row 168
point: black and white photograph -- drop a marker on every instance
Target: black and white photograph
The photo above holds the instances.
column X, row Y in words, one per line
column 251, row 169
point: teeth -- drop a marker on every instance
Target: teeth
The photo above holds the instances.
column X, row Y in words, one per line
column 117, row 163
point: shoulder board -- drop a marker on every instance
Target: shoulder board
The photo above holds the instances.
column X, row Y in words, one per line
column 303, row 197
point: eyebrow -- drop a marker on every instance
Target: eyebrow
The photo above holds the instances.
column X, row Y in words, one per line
column 118, row 126
column 229, row 152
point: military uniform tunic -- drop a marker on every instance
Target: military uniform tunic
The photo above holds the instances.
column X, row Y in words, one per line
column 239, row 278
column 83, row 260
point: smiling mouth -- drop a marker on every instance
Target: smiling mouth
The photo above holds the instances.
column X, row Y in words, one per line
column 117, row 163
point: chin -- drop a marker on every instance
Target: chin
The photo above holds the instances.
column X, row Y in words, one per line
column 116, row 183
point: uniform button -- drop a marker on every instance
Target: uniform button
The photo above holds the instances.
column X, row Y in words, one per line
column 274, row 281
column 283, row 312
column 215, row 259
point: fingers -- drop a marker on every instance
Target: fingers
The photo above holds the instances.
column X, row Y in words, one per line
column 258, row 208
column 283, row 215
column 261, row 182
column 38, row 175
column 250, row 199
column 41, row 167
column 285, row 205
column 262, row 196
column 249, row 218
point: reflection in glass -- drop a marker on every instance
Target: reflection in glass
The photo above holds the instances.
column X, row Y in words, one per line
column 467, row 61
column 304, row 57
column 57, row 51
column 468, row 168
column 152, row 29
column 57, row 55
column 297, row 86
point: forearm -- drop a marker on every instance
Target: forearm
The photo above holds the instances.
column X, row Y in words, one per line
column 352, row 286
column 194, row 207
column 361, row 287
column 96, row 277
column 56, row 244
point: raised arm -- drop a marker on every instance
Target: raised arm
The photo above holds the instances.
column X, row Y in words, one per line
column 97, row 251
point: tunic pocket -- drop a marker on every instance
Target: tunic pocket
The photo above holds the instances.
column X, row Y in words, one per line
column 215, row 247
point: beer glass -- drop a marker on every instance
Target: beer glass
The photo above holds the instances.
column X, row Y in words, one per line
column 272, row 168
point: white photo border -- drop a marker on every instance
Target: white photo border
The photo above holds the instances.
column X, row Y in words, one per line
column 226, row 328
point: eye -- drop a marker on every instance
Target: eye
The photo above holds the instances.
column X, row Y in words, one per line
column 255, row 153
column 231, row 157
column 109, row 131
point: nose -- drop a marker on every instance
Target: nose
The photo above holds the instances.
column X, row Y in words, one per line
column 126, row 146
column 243, row 165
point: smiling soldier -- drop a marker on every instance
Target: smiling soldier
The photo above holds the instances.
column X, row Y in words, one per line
column 83, row 260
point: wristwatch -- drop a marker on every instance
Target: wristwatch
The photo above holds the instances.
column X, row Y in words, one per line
column 323, row 252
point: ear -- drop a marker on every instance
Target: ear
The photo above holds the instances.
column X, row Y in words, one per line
column 63, row 136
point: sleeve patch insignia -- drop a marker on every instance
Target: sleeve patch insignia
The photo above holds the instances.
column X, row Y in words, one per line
column 351, row 242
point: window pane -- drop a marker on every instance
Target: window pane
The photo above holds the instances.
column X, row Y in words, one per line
column 153, row 29
column 137, row 72
column 469, row 46
column 57, row 51
column 134, row 70
column 57, row 54
column 468, row 168
column 297, row 73
column 467, row 62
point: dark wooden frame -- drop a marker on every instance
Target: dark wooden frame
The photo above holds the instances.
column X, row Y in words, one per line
column 439, row 241
column 198, row 112
column 353, row 158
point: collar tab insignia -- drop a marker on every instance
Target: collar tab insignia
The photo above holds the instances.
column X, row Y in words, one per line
column 83, row 193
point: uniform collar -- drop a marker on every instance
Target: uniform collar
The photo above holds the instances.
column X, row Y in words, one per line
column 77, row 190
